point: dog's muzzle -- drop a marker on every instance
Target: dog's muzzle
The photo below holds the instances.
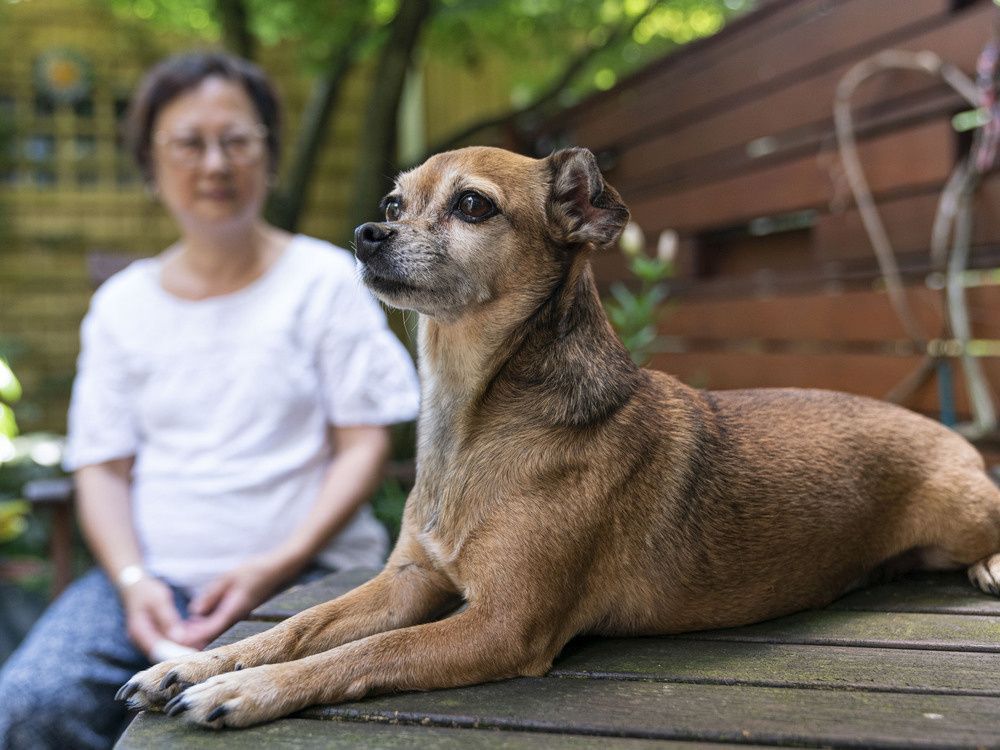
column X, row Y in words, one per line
column 370, row 238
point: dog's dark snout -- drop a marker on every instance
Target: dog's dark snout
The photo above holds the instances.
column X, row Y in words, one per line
column 369, row 238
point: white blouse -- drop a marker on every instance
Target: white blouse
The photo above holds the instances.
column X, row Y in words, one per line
column 226, row 402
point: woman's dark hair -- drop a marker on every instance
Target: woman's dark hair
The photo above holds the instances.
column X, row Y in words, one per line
column 176, row 75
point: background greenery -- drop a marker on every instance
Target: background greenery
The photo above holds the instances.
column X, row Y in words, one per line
column 555, row 52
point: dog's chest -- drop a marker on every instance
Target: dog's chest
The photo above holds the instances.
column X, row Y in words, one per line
column 454, row 498
column 443, row 554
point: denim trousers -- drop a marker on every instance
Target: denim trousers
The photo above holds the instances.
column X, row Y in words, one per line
column 57, row 690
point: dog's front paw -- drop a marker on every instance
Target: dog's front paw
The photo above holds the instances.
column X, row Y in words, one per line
column 985, row 574
column 152, row 688
column 234, row 699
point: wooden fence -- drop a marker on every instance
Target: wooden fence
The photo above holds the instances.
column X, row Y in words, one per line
column 731, row 144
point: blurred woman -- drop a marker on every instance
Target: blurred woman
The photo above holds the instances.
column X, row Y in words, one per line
column 228, row 418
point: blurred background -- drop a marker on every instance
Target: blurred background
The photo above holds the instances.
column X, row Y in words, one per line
column 812, row 182
column 369, row 86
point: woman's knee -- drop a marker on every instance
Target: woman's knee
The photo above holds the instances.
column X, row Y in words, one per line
column 31, row 710
column 44, row 710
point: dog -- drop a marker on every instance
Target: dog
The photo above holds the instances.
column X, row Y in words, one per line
column 562, row 490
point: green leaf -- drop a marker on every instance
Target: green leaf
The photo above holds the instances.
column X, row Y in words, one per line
column 622, row 295
column 8, row 425
column 650, row 269
column 657, row 294
column 13, row 519
column 618, row 318
column 644, row 337
column 10, row 387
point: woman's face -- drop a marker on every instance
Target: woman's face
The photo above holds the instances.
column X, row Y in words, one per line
column 210, row 157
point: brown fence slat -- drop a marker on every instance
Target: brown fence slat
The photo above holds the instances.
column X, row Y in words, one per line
column 749, row 30
column 908, row 221
column 724, row 77
column 918, row 156
column 848, row 316
column 665, row 165
column 799, row 117
column 863, row 374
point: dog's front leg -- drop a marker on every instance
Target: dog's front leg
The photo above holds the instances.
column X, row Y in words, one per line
column 473, row 646
column 406, row 592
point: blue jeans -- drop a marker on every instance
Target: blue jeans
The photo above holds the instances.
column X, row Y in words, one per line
column 57, row 690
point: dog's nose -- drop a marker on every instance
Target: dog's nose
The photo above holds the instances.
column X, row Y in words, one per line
column 368, row 238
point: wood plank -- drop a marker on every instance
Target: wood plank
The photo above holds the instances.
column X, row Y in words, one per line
column 156, row 731
column 797, row 117
column 818, row 38
column 729, row 713
column 873, row 629
column 928, row 593
column 242, row 629
column 935, row 593
column 941, row 593
column 761, row 663
column 745, row 31
column 781, row 665
column 847, row 316
column 725, row 147
column 919, row 156
column 840, row 235
column 863, row 374
column 298, row 598
column 741, row 254
column 829, row 277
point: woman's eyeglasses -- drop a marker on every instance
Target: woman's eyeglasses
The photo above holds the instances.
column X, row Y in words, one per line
column 240, row 147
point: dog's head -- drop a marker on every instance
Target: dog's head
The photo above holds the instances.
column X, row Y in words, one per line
column 473, row 225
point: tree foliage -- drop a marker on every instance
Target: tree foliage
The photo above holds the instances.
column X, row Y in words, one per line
column 557, row 51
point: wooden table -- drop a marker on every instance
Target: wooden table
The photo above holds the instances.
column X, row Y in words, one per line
column 914, row 663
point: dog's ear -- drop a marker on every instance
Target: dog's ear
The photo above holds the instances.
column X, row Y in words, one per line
column 582, row 208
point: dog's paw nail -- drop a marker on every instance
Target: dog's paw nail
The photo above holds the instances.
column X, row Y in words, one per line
column 217, row 712
column 177, row 705
column 169, row 680
column 126, row 691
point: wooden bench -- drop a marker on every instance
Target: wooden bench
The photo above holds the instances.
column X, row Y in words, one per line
column 908, row 664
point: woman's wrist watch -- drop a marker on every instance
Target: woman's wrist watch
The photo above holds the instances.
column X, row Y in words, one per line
column 130, row 575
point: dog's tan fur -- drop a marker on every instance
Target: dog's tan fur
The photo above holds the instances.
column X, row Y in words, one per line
column 562, row 490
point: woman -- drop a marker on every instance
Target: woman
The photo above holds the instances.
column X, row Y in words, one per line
column 227, row 420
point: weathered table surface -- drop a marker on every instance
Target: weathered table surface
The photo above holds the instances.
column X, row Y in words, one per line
column 915, row 663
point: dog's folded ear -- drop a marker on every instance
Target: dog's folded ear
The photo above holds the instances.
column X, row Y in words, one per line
column 582, row 208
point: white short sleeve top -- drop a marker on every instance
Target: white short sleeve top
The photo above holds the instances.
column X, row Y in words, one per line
column 226, row 402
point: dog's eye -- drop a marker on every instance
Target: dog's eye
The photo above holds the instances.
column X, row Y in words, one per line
column 475, row 207
column 392, row 210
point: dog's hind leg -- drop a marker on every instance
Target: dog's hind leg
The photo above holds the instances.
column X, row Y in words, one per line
column 964, row 526
column 985, row 572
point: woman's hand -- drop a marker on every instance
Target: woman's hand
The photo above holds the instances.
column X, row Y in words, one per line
column 150, row 613
column 230, row 597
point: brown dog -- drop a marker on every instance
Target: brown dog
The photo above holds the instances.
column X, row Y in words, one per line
column 562, row 490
